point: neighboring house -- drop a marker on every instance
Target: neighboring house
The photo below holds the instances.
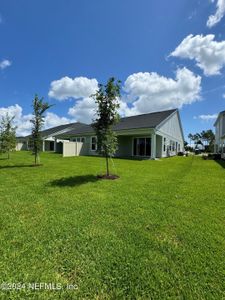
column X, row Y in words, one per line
column 151, row 135
column 220, row 134
column 49, row 142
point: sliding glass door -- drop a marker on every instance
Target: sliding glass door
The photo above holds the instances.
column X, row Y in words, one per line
column 142, row 146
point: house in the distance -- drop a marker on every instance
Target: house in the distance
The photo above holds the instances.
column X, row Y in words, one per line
column 152, row 135
column 49, row 142
column 220, row 134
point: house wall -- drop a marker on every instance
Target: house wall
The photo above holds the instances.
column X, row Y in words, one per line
column 124, row 146
column 159, row 146
column 219, row 132
column 171, row 131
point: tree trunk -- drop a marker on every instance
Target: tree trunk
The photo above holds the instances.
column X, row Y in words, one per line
column 8, row 155
column 107, row 165
column 35, row 158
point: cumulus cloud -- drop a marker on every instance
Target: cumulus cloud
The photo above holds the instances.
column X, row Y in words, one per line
column 206, row 117
column 151, row 92
column 142, row 93
column 208, row 53
column 23, row 123
column 84, row 110
column 66, row 87
column 5, row 63
column 220, row 12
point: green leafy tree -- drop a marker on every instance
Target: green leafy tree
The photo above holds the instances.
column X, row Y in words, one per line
column 191, row 138
column 7, row 135
column 39, row 108
column 107, row 115
column 210, row 139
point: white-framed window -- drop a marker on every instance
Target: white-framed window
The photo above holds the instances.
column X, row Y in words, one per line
column 79, row 139
column 93, row 143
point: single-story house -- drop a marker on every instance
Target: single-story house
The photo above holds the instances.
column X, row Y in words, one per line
column 49, row 142
column 151, row 135
column 219, row 146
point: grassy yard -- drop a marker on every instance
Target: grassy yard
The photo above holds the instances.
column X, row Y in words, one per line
column 158, row 232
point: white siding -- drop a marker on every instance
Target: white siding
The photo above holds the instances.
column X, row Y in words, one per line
column 171, row 131
column 171, row 127
column 219, row 132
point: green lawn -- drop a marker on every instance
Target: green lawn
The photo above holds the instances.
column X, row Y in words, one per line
column 158, row 232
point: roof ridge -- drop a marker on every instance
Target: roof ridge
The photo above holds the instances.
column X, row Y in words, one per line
column 151, row 113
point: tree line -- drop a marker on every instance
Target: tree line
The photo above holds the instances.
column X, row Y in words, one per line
column 205, row 138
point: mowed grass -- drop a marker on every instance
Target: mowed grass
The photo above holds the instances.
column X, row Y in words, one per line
column 158, row 232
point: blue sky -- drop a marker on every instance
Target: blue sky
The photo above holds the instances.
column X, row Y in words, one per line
column 166, row 53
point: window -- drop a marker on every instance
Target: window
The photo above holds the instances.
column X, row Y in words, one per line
column 164, row 144
column 172, row 145
column 93, row 143
column 142, row 147
column 78, row 139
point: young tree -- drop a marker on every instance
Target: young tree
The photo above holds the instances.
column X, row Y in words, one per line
column 107, row 100
column 39, row 108
column 7, row 135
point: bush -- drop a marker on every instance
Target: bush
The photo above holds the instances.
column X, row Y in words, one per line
column 180, row 153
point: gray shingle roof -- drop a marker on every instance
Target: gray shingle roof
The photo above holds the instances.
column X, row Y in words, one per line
column 55, row 130
column 150, row 120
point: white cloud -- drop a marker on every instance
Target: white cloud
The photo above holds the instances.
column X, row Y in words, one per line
column 223, row 95
column 206, row 117
column 23, row 121
column 83, row 110
column 80, row 89
column 208, row 53
column 144, row 92
column 5, row 63
column 220, row 11
column 66, row 87
column 52, row 120
column 151, row 92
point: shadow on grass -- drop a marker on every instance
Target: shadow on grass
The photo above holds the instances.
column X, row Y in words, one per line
column 73, row 180
column 16, row 166
column 221, row 162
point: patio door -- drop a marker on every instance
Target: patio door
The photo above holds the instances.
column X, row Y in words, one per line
column 142, row 146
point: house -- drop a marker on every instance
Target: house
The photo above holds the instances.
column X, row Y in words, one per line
column 49, row 142
column 219, row 146
column 152, row 135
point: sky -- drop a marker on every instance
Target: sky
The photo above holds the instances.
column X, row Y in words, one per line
column 167, row 54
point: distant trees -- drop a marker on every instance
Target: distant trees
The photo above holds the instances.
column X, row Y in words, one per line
column 39, row 108
column 107, row 100
column 7, row 135
column 205, row 138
